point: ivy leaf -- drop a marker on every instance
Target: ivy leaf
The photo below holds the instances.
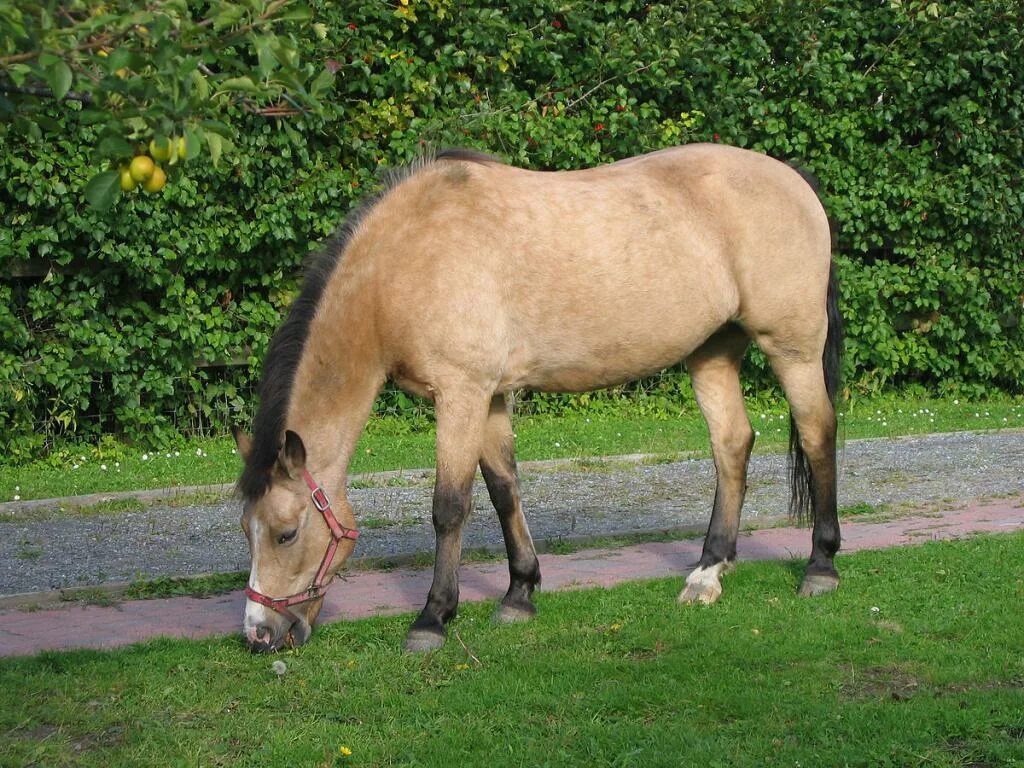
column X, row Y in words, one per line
column 103, row 189
column 93, row 116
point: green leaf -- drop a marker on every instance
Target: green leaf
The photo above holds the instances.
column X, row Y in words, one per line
column 216, row 126
column 114, row 146
column 103, row 189
column 200, row 85
column 193, row 142
column 216, row 145
column 244, row 84
column 294, row 13
column 229, row 16
column 93, row 116
column 322, row 85
column 58, row 77
column 267, row 61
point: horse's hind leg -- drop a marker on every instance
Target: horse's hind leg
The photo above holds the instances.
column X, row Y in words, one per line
column 714, row 369
column 815, row 422
column 498, row 466
column 461, row 422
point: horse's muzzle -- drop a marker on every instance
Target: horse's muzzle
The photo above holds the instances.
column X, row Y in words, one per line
column 263, row 638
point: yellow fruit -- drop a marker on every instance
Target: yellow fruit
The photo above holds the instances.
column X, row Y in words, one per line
column 160, row 151
column 127, row 182
column 141, row 167
column 155, row 182
column 182, row 148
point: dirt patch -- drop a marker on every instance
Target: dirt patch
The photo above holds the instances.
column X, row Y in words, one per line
column 108, row 737
column 884, row 682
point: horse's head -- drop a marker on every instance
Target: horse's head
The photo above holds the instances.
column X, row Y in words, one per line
column 297, row 540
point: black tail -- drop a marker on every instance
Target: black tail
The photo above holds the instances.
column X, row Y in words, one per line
column 831, row 363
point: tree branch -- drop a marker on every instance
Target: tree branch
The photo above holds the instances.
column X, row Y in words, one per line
column 29, row 90
column 605, row 82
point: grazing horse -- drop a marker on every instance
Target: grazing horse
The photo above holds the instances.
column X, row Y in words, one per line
column 465, row 279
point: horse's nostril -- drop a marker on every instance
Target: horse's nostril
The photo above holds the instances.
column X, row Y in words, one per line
column 263, row 633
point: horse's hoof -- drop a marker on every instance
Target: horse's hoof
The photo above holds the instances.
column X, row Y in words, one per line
column 421, row 641
column 701, row 593
column 512, row 614
column 818, row 584
column 703, row 584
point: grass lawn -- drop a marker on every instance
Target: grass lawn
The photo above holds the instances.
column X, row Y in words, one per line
column 916, row 661
column 389, row 443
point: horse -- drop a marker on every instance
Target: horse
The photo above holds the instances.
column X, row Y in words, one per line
column 465, row 279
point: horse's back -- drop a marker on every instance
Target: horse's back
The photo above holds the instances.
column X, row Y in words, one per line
column 574, row 280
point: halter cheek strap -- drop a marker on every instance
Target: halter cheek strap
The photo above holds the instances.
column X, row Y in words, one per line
column 318, row 587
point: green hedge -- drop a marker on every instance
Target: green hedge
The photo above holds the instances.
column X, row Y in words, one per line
column 910, row 114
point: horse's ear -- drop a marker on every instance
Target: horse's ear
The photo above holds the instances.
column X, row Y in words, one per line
column 243, row 442
column 292, row 457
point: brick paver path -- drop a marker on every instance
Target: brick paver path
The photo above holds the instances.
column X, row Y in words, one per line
column 371, row 593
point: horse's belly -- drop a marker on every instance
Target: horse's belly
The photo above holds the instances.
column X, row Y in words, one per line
column 562, row 361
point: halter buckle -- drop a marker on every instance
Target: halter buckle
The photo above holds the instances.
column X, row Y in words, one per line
column 320, row 500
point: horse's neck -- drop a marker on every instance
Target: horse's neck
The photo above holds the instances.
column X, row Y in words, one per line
column 335, row 386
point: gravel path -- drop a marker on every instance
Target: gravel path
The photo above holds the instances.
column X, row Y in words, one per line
column 43, row 551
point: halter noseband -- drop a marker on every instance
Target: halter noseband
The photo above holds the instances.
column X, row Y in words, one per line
column 320, row 582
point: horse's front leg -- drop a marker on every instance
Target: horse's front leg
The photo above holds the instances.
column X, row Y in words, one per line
column 460, row 426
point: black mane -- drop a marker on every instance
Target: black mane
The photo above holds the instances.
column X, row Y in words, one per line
column 289, row 341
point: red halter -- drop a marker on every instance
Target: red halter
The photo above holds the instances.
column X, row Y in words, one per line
column 320, row 582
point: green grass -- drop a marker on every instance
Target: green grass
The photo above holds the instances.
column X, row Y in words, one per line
column 914, row 662
column 389, row 443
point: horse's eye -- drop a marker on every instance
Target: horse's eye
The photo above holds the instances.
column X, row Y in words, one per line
column 287, row 536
